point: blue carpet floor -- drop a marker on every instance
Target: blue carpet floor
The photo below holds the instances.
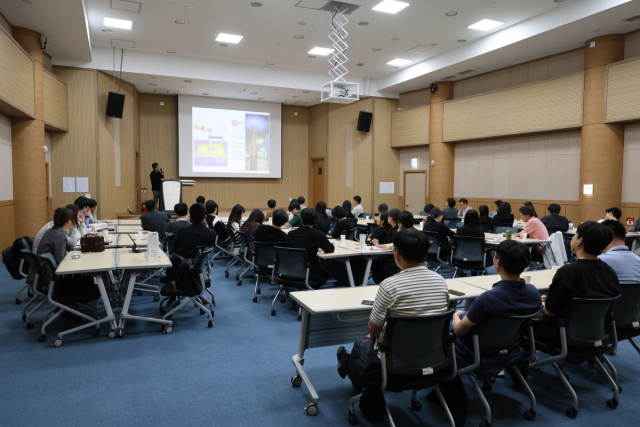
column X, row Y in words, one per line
column 237, row 374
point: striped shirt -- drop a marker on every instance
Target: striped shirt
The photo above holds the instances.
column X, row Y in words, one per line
column 416, row 291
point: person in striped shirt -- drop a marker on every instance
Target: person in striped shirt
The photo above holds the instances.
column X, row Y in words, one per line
column 415, row 291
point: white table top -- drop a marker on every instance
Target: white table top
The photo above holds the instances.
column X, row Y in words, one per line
column 87, row 263
column 491, row 239
column 540, row 279
column 128, row 260
column 128, row 228
column 351, row 249
column 129, row 221
column 126, row 240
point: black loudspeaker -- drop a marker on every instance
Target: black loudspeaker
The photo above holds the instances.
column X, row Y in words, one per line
column 115, row 105
column 364, row 121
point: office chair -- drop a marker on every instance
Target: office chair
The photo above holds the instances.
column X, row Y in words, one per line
column 501, row 228
column 552, row 230
column 38, row 290
column 587, row 332
column 626, row 313
column 469, row 253
column 291, row 273
column 332, row 225
column 371, row 229
column 413, row 345
column 233, row 257
column 263, row 263
column 451, row 223
column 434, row 252
column 487, row 227
column 23, row 269
column 247, row 257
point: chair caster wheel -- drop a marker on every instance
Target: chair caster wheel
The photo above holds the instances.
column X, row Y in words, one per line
column 572, row 412
column 156, row 297
column 353, row 419
column 201, row 311
column 57, row 343
column 112, row 334
column 311, row 409
column 210, row 324
column 259, row 292
column 612, row 403
column 487, row 386
column 96, row 333
column 417, row 406
column 299, row 318
column 29, row 326
column 296, row 381
column 255, row 299
column 237, row 279
column 18, row 301
column 167, row 329
column 529, row 415
column 226, row 274
column 24, row 317
column 485, row 423
column 139, row 293
column 620, row 389
column 113, row 303
column 30, row 294
column 42, row 338
column 239, row 282
column 273, row 312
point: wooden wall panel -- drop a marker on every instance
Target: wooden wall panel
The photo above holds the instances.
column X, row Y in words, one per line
column 386, row 162
column 414, row 99
column 17, row 84
column 159, row 143
column 115, row 195
column 318, row 123
column 340, row 117
column 410, row 128
column 623, row 91
column 55, row 103
column 73, row 153
column 7, row 231
column 549, row 105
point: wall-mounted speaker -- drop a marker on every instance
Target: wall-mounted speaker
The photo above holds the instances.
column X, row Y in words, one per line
column 115, row 105
column 364, row 121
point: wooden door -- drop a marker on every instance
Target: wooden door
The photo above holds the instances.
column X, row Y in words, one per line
column 49, row 199
column 415, row 191
column 317, row 182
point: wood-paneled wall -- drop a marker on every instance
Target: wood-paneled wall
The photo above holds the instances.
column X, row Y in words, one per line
column 7, row 231
column 17, row 84
column 386, row 159
column 623, row 91
column 410, row 128
column 318, row 125
column 55, row 103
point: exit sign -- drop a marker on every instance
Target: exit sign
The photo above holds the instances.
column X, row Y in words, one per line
column 630, row 221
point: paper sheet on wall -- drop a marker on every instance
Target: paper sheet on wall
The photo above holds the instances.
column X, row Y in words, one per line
column 82, row 184
column 69, row 184
column 387, row 187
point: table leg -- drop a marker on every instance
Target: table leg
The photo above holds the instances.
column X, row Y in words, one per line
column 129, row 277
column 349, row 273
column 365, row 279
column 105, row 301
column 298, row 360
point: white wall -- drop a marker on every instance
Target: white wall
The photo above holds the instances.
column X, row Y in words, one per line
column 6, row 169
column 630, row 173
column 406, row 154
column 536, row 167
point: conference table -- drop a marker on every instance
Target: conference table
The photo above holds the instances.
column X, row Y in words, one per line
column 337, row 316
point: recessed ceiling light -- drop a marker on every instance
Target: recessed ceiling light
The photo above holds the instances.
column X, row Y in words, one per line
column 298, row 36
column 312, row 56
column 224, row 45
column 302, row 23
column 322, row 51
column 270, row 63
column 485, row 25
column 180, row 21
column 363, row 23
column 228, row 38
column 104, row 30
column 256, row 4
column 390, row 6
column 205, row 94
column 360, row 64
column 118, row 23
column 152, row 84
column 171, row 51
column 188, row 81
column 461, row 41
column 376, row 49
column 398, row 62
column 451, row 13
column 395, row 39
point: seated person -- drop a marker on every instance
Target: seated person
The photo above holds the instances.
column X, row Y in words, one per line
column 250, row 226
column 55, row 241
column 427, row 208
column 272, row 207
column 182, row 220
column 343, row 225
column 307, row 238
column 496, row 205
column 73, row 237
column 510, row 296
column 554, row 219
column 273, row 232
column 301, row 201
column 84, row 210
column 415, row 291
column 588, row 277
column 346, row 205
column 612, row 213
column 382, row 207
column 200, row 199
column 195, row 235
column 483, row 211
column 93, row 206
column 384, row 266
column 464, row 207
column 214, row 222
column 405, row 220
column 235, row 218
column 504, row 215
column 434, row 223
column 534, row 228
column 294, row 209
column 154, row 220
column 322, row 222
column 357, row 207
column 625, row 263
column 471, row 227
column 532, row 208
column 450, row 212
column 381, row 233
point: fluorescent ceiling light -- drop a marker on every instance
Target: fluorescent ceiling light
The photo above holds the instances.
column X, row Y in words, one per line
column 390, row 6
column 228, row 38
column 117, row 23
column 485, row 25
column 322, row 51
column 399, row 62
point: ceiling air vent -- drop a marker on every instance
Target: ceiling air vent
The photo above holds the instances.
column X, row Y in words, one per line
column 462, row 73
column 129, row 6
column 161, row 91
column 633, row 18
column 300, row 103
column 448, row 77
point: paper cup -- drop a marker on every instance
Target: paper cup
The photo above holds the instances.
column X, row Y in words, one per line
column 363, row 241
column 367, row 217
column 524, row 235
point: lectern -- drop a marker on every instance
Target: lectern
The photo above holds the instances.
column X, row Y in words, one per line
column 172, row 193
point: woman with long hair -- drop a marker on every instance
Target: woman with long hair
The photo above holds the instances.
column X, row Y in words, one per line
column 346, row 205
column 471, row 227
column 504, row 215
column 250, row 226
column 322, row 222
column 234, row 223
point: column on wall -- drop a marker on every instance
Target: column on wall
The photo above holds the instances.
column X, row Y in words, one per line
column 442, row 154
column 602, row 145
column 28, row 140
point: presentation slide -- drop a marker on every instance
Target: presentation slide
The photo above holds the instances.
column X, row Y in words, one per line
column 228, row 138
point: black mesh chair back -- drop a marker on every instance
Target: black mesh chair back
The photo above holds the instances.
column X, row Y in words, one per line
column 450, row 223
column 231, row 234
column 244, row 243
column 626, row 311
column 24, row 265
column 169, row 240
column 500, row 335
column 372, row 228
column 364, row 215
column 25, row 244
column 265, row 255
column 487, row 227
column 423, row 213
column 552, row 230
column 351, row 234
column 415, row 345
column 587, row 321
column 332, row 225
column 35, row 265
column 291, row 263
column 468, row 250
column 434, row 243
column 362, row 229
column 502, row 228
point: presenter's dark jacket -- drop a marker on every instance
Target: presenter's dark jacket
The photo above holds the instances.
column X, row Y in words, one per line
column 307, row 238
column 191, row 237
column 156, row 181
column 154, row 221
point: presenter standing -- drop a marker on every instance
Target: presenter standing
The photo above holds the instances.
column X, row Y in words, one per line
column 157, row 176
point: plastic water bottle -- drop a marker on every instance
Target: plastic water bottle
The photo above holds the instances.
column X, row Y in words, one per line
column 508, row 234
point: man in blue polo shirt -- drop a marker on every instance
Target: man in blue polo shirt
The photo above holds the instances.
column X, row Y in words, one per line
column 510, row 296
column 625, row 263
